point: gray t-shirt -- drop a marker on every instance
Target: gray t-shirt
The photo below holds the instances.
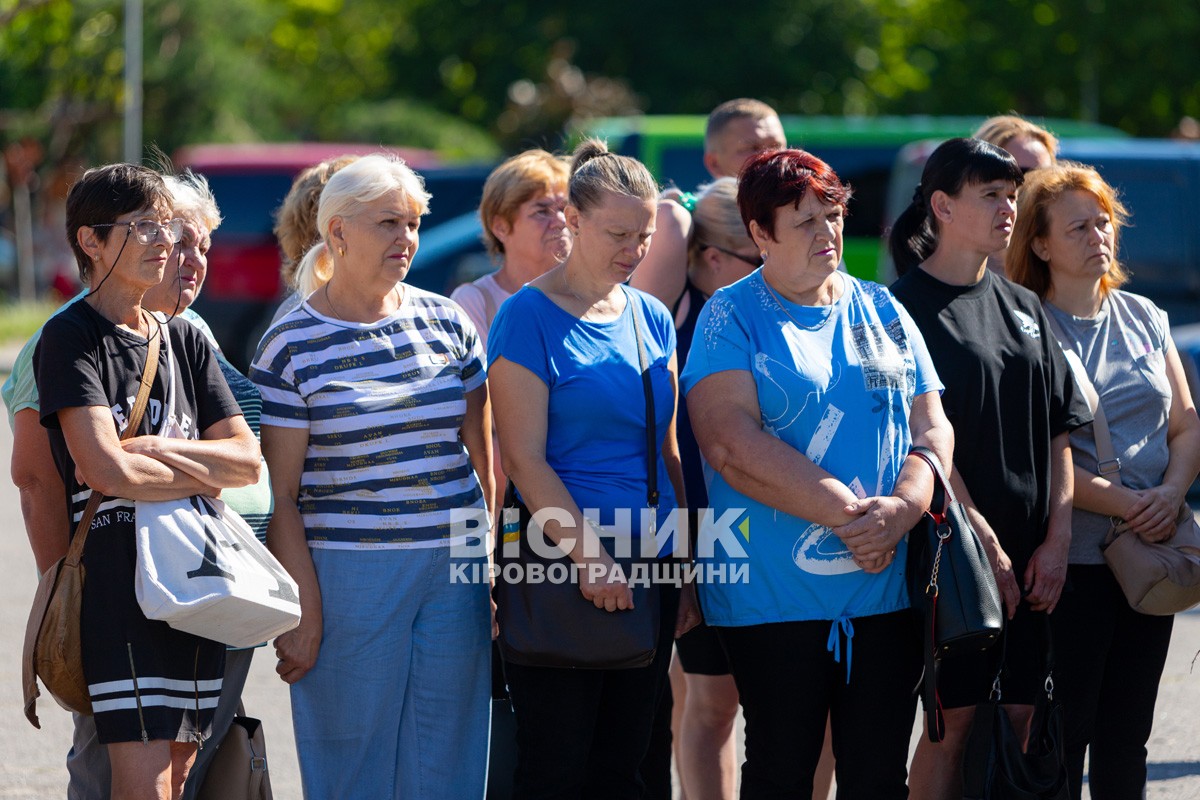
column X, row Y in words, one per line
column 1123, row 350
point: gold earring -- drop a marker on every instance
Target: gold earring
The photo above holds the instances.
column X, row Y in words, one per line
column 342, row 252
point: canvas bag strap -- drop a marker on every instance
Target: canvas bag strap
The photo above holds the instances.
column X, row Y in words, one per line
column 1109, row 464
column 75, row 552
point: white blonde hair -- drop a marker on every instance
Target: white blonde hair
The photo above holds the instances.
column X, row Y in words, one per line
column 350, row 188
column 193, row 199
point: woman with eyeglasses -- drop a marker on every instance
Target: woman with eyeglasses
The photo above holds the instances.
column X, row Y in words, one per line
column 153, row 688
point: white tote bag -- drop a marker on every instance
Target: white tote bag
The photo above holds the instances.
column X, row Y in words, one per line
column 202, row 570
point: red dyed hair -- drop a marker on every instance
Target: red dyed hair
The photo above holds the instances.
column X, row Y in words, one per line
column 771, row 180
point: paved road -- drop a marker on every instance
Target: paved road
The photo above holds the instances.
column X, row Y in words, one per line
column 32, row 764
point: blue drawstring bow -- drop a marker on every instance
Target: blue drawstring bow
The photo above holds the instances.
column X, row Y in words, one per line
column 841, row 625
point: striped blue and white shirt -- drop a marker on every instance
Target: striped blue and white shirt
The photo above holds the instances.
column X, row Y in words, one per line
column 383, row 404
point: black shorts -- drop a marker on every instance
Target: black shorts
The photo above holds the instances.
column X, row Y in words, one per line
column 145, row 678
column 966, row 679
column 701, row 652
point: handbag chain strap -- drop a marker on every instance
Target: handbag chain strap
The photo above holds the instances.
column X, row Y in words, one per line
column 75, row 552
column 651, row 428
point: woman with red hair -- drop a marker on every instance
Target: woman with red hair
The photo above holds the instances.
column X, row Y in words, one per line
column 806, row 389
column 1110, row 657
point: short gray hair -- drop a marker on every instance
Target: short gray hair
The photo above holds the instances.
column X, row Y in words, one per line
column 192, row 198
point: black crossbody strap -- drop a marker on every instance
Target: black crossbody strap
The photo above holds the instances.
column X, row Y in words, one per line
column 648, row 390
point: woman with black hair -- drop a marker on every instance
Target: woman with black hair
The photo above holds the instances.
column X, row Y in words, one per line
column 1010, row 395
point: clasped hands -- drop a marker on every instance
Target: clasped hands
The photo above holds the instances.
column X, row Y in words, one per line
column 879, row 524
column 1154, row 513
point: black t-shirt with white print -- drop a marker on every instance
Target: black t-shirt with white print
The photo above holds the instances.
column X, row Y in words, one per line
column 1008, row 393
column 83, row 359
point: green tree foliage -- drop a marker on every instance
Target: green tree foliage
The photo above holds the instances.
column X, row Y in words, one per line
column 462, row 75
column 218, row 70
column 1130, row 63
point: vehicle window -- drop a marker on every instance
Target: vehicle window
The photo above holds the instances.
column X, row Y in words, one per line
column 248, row 201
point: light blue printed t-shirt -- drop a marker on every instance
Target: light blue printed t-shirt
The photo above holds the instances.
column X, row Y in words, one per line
column 383, row 404
column 596, row 432
column 847, row 413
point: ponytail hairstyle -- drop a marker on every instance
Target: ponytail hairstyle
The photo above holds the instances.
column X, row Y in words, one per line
column 953, row 165
column 348, row 189
column 717, row 222
column 296, row 218
column 595, row 171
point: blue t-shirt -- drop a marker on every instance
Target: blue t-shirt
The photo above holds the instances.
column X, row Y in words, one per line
column 596, row 432
column 836, row 383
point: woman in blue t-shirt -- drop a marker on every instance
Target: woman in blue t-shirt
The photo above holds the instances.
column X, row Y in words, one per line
column 806, row 389
column 571, row 416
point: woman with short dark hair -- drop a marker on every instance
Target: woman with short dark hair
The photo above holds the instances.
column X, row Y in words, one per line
column 153, row 688
column 806, row 389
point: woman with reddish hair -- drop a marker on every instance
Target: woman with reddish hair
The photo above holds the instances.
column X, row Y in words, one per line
column 806, row 389
column 1109, row 657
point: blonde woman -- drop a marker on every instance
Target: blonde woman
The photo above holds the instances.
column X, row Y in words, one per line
column 377, row 430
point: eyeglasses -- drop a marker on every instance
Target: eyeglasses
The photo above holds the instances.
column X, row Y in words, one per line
column 753, row 261
column 147, row 231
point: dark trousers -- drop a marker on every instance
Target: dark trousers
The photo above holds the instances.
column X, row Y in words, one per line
column 656, row 766
column 789, row 684
column 1109, row 662
column 583, row 733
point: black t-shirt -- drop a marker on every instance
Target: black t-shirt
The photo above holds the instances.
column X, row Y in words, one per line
column 83, row 359
column 1008, row 393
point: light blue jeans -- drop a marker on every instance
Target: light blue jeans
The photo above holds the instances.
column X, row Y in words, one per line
column 399, row 701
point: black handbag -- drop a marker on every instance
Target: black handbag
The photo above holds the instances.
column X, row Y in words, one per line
column 548, row 622
column 996, row 767
column 951, row 584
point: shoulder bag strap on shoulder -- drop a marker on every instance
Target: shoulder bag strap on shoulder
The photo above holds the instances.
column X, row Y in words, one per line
column 75, row 552
column 1108, row 463
column 648, row 390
